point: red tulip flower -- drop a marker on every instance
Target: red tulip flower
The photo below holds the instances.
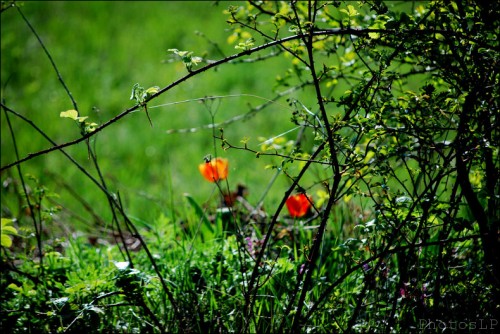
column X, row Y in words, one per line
column 214, row 170
column 298, row 205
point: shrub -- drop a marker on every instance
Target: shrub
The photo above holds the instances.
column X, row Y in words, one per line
column 392, row 193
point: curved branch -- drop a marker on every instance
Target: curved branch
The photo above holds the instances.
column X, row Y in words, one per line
column 336, row 31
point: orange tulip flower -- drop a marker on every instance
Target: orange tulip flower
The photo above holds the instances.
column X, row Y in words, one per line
column 214, row 170
column 298, row 205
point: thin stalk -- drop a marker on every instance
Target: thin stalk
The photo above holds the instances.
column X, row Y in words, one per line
column 59, row 76
column 38, row 226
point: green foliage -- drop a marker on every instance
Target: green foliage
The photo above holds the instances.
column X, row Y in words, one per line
column 187, row 58
column 6, row 230
column 394, row 111
column 141, row 96
column 86, row 127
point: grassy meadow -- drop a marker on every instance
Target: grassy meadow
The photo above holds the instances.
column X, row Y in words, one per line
column 359, row 196
column 102, row 49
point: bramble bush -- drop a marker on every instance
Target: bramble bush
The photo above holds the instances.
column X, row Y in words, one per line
column 389, row 223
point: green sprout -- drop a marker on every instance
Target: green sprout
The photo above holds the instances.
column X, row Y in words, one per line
column 246, row 45
column 187, row 58
column 86, row 127
column 141, row 95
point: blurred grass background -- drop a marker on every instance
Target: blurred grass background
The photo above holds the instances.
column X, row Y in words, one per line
column 102, row 49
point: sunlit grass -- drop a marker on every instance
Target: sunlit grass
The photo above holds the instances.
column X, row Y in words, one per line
column 100, row 67
column 236, row 201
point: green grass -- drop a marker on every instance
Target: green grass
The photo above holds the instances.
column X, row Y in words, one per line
column 102, row 50
column 174, row 260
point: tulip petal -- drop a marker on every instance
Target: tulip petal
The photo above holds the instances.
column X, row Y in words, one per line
column 214, row 170
column 298, row 205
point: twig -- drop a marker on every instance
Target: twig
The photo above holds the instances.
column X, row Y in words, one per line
column 357, row 32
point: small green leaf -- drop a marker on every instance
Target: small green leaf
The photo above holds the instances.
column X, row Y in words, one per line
column 247, row 45
column 7, row 230
column 72, row 113
column 14, row 287
column 90, row 127
column 135, row 89
column 439, row 37
column 196, row 60
column 151, row 91
column 6, row 241
column 183, row 54
column 350, row 11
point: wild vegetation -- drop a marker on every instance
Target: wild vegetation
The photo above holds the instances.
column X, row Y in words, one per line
column 306, row 166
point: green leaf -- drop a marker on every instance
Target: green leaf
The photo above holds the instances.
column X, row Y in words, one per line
column 200, row 212
column 6, row 241
column 350, row 11
column 247, row 45
column 72, row 113
column 7, row 230
column 439, row 37
column 14, row 287
column 135, row 89
column 151, row 91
